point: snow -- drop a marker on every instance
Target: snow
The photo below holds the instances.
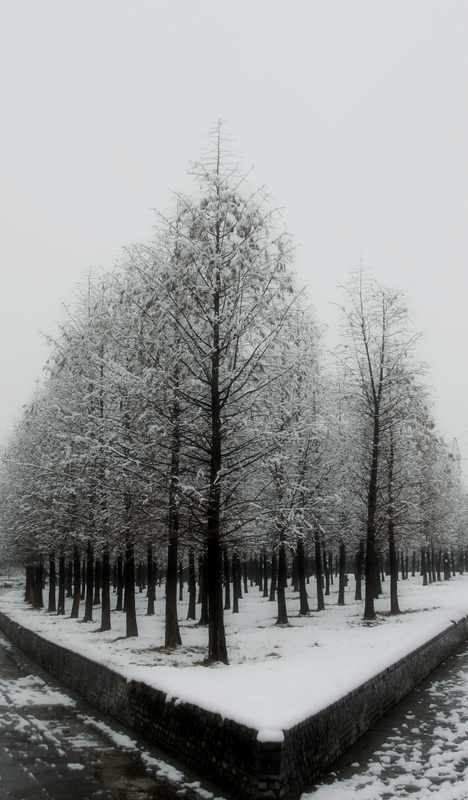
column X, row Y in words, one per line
column 31, row 690
column 278, row 675
column 418, row 763
column 270, row 736
column 120, row 739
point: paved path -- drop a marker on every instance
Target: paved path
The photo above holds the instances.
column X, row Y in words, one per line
column 419, row 750
column 54, row 746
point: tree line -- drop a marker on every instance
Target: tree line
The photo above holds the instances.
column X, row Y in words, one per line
column 190, row 418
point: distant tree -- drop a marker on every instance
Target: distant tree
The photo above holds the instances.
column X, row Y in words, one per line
column 377, row 359
column 294, row 435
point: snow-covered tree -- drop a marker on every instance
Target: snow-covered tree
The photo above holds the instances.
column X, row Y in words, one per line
column 377, row 357
column 222, row 270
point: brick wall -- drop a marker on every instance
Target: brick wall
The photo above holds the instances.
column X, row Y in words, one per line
column 224, row 751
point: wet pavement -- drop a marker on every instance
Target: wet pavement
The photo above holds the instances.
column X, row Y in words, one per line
column 418, row 750
column 54, row 746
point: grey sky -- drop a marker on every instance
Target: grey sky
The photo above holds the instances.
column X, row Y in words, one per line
column 354, row 113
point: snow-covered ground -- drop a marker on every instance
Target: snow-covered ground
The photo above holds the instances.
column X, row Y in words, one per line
column 277, row 676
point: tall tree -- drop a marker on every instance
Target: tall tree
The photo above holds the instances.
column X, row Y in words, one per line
column 221, row 269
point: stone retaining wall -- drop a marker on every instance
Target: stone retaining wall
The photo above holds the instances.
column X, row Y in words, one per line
column 225, row 751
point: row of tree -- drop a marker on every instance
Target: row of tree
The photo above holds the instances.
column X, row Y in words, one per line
column 189, row 406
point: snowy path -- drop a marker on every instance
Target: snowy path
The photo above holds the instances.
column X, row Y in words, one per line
column 419, row 750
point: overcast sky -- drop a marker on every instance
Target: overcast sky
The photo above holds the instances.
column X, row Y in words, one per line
column 354, row 113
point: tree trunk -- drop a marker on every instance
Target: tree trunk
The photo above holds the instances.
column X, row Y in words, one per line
column 394, row 607
column 359, row 570
column 120, row 584
column 83, row 580
column 447, row 575
column 172, row 633
column 88, row 615
column 200, row 578
column 151, row 581
column 429, row 565
column 97, row 582
column 423, row 566
column 294, row 576
column 129, row 583
column 76, row 585
column 38, row 576
column 181, row 581
column 246, row 588
column 301, row 577
column 61, row 585
column 282, row 612
column 52, row 581
column 203, row 590
column 28, row 585
column 235, row 586
column 342, row 575
column 370, row 567
column 69, row 581
column 192, row 586
column 265, row 575
column 106, row 603
column 274, row 577
column 227, row 581
column 318, row 574
column 327, row 569
column 378, row 585
column 260, row 572
column 239, row 577
column 217, row 649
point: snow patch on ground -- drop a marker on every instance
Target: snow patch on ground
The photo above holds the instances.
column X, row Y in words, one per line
column 119, row 739
column 29, row 691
